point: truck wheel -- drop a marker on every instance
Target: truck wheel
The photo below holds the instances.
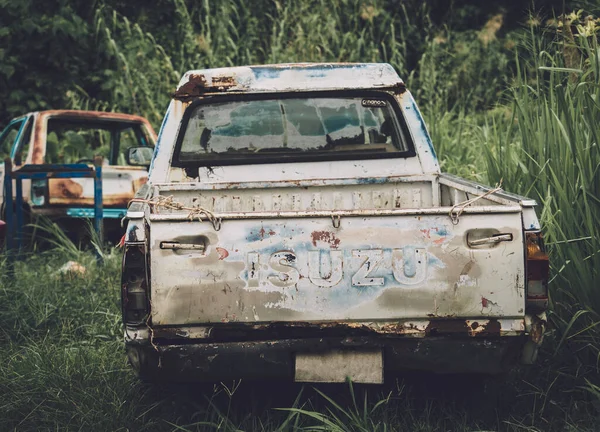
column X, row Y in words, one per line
column 144, row 362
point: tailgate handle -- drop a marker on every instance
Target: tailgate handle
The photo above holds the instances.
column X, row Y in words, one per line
column 491, row 240
column 183, row 246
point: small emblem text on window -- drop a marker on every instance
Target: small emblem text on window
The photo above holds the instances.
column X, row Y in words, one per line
column 373, row 103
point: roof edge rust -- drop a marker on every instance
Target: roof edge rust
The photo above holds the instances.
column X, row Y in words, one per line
column 289, row 77
column 91, row 115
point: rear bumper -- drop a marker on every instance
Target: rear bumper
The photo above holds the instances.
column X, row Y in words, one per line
column 275, row 358
column 258, row 351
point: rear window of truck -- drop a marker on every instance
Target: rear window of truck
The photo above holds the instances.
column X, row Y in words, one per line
column 298, row 128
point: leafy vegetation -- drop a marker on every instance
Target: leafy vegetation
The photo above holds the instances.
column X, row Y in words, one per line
column 506, row 96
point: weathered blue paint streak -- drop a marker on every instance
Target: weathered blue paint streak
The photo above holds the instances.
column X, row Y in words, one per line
column 17, row 141
column 8, row 209
column 423, row 128
column 88, row 213
column 318, row 70
column 367, row 180
column 19, row 211
column 98, row 204
column 159, row 139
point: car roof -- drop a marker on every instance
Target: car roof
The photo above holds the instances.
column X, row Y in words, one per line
column 288, row 77
column 91, row 115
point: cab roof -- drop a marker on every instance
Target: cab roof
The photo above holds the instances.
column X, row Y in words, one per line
column 288, row 77
column 91, row 115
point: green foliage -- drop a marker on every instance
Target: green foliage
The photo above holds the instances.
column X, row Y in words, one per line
column 52, row 36
column 124, row 56
column 549, row 149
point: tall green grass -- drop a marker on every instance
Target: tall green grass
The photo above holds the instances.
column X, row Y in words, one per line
column 143, row 69
column 549, row 149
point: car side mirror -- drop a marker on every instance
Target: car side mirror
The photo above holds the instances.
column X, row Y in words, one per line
column 139, row 156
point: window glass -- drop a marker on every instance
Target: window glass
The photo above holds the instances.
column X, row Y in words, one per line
column 7, row 139
column 249, row 129
column 77, row 141
column 127, row 138
column 68, row 142
column 22, row 150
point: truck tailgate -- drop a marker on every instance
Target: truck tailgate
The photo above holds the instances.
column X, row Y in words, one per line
column 370, row 267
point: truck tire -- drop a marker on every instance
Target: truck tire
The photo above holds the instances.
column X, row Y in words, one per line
column 144, row 362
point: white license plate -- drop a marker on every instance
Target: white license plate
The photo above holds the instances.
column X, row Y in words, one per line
column 339, row 366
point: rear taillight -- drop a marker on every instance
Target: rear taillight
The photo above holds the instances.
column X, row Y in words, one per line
column 538, row 267
column 134, row 285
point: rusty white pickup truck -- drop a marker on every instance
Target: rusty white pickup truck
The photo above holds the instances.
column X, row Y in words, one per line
column 67, row 137
column 296, row 225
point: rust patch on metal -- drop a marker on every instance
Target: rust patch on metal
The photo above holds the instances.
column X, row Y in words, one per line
column 223, row 253
column 64, row 188
column 325, row 237
column 92, row 115
column 117, row 200
column 401, row 329
column 492, row 328
column 195, row 86
column 440, row 327
column 537, row 329
column 399, row 88
column 223, row 82
column 38, row 150
column 139, row 182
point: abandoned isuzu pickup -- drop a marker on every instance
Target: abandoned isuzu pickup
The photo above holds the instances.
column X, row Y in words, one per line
column 296, row 225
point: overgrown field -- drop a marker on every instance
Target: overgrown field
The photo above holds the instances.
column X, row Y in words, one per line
column 521, row 106
column 63, row 367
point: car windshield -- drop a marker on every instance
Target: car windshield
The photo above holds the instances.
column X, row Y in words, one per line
column 288, row 127
column 71, row 141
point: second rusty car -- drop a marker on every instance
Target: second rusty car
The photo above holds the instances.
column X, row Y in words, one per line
column 70, row 136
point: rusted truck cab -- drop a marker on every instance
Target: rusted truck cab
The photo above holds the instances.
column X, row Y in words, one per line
column 296, row 225
column 67, row 137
